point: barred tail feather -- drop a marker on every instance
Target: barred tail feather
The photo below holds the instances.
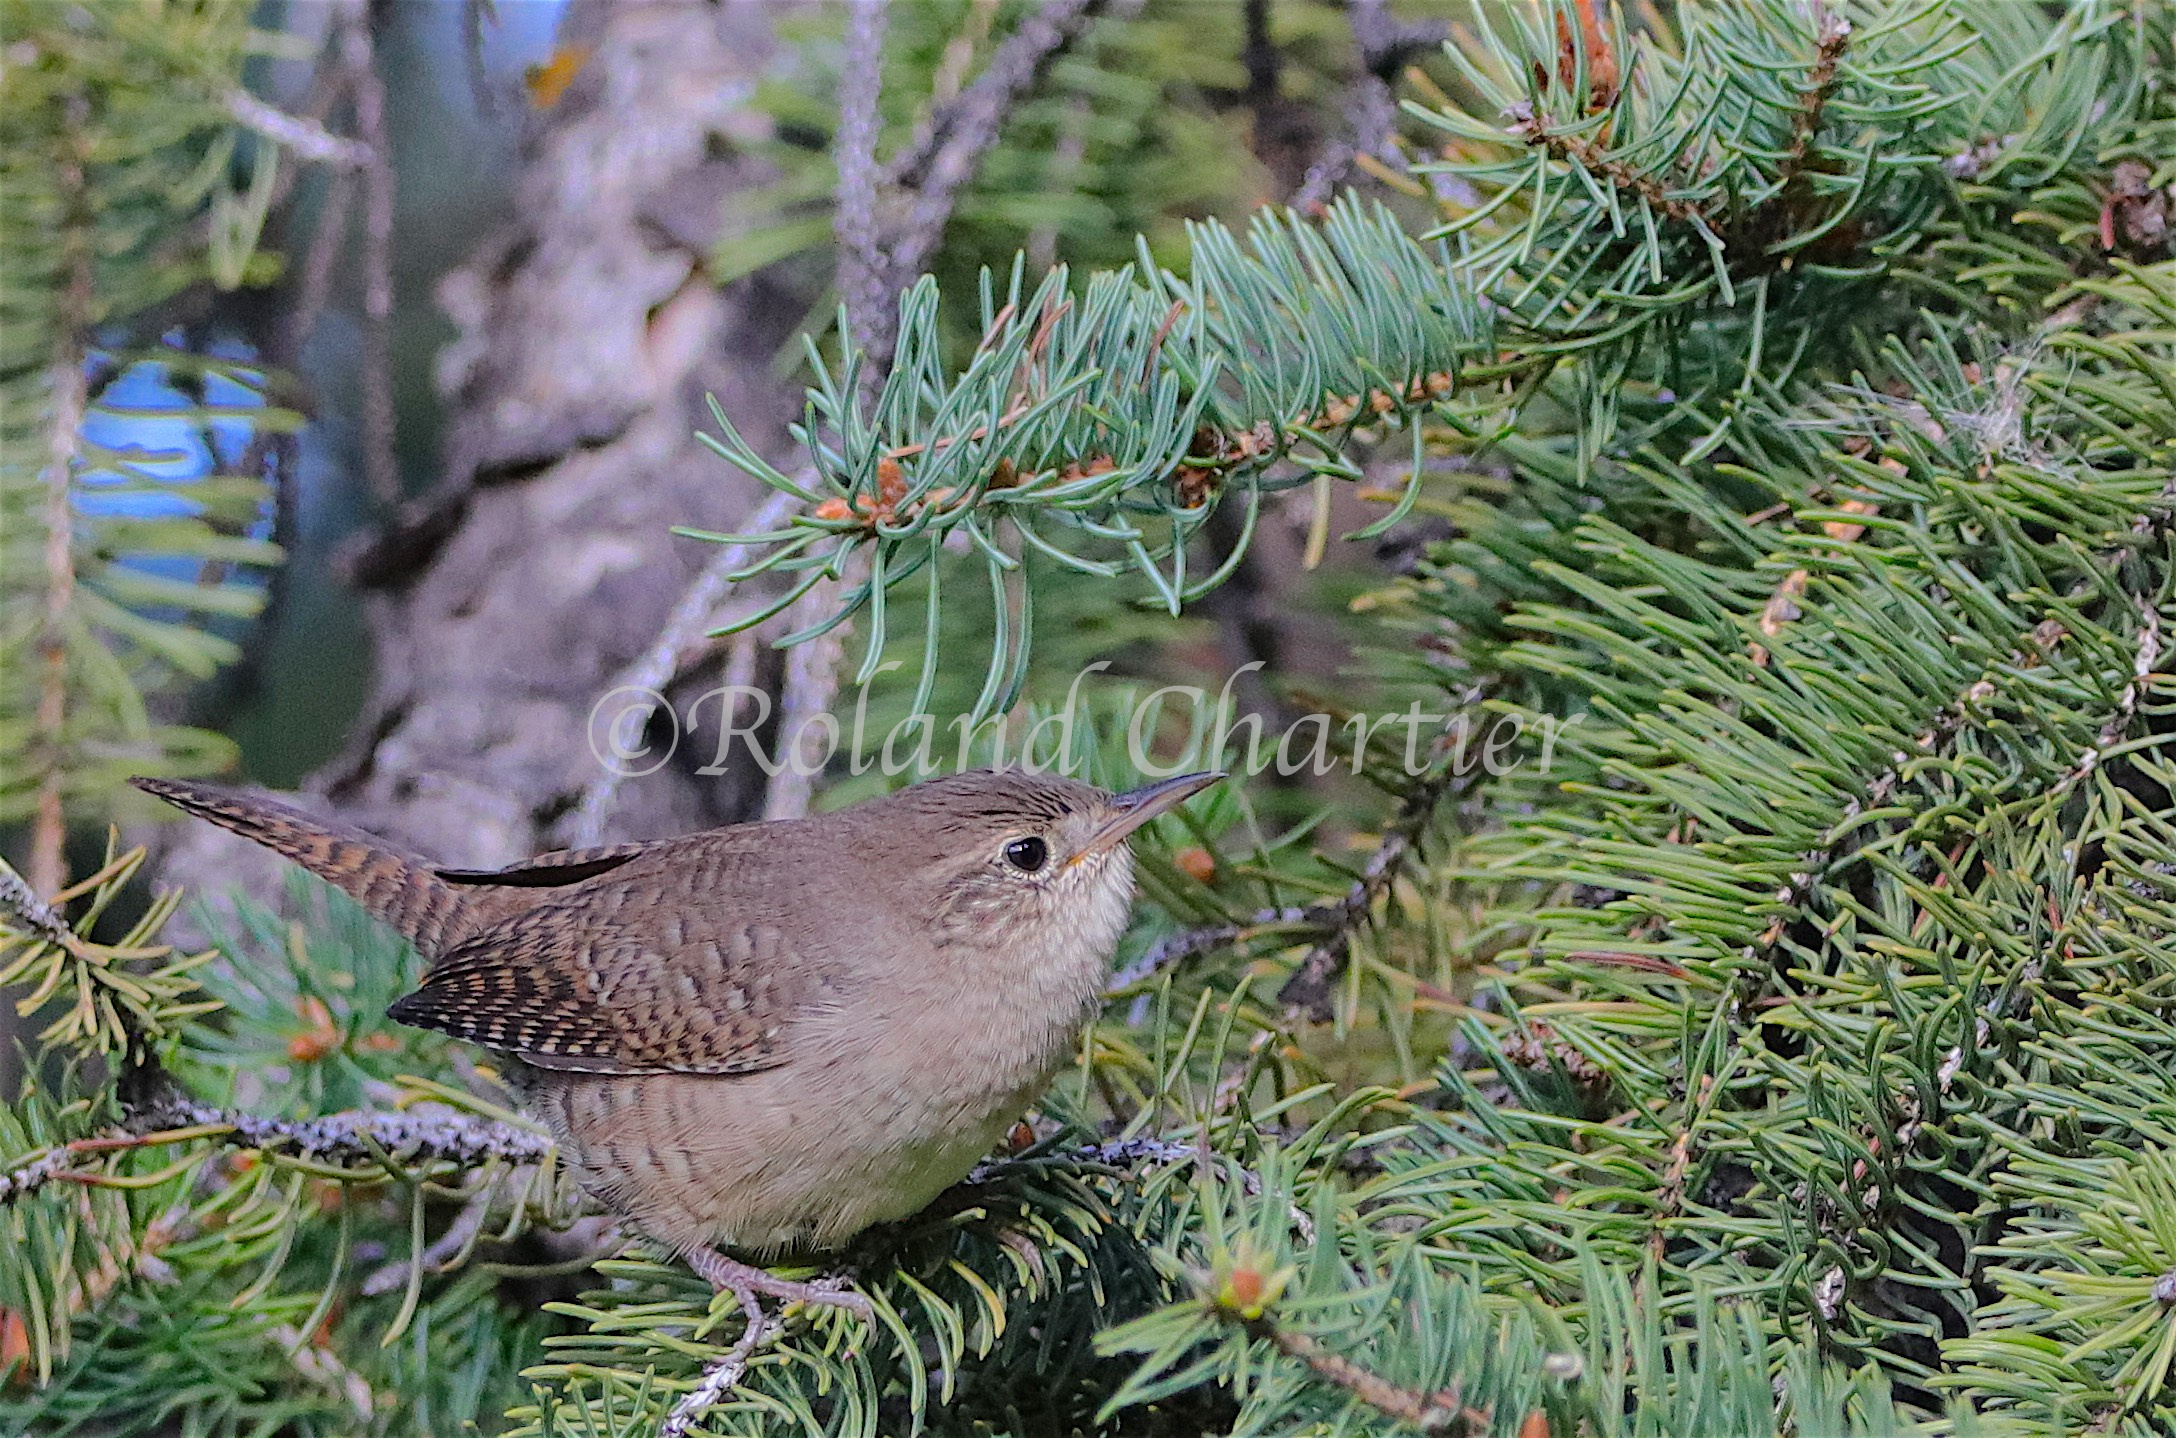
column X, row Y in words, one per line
column 397, row 887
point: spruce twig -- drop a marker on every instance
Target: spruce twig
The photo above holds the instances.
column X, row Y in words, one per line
column 864, row 283
column 674, row 649
column 303, row 136
column 1429, row 1412
column 356, row 1137
column 381, row 456
column 68, row 385
column 1385, row 45
column 975, row 119
column 721, row 1374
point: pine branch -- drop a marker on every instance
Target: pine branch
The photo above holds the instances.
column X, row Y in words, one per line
column 1308, row 991
column 876, row 250
column 1589, row 153
column 56, row 1164
column 887, row 234
column 1175, row 948
column 27, row 914
column 2147, row 655
column 1831, row 34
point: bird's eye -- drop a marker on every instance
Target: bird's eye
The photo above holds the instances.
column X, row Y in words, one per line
column 1027, row 855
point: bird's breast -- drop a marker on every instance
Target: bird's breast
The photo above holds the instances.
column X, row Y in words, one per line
column 909, row 1071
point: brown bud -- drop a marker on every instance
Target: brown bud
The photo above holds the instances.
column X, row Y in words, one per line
column 1193, row 486
column 1196, row 863
column 891, row 485
column 322, row 1037
column 1243, row 1290
column 14, row 1349
column 547, row 82
column 833, row 509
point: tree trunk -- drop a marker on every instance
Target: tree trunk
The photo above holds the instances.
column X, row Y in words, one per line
column 503, row 605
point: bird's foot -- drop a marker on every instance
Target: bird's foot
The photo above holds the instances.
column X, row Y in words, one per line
column 745, row 1280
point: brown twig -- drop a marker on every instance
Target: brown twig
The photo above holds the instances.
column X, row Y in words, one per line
column 326, row 246
column 381, row 456
column 811, row 684
column 1189, row 942
column 1429, row 1412
column 878, row 258
column 72, row 322
column 972, row 127
column 1584, row 151
column 304, row 137
column 681, row 637
column 865, row 286
column 1386, row 45
column 1831, row 34
column 982, row 106
column 1307, row 991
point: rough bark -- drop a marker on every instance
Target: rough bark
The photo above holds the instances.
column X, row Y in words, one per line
column 503, row 604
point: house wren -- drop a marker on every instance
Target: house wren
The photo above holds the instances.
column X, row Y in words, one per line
column 766, row 1036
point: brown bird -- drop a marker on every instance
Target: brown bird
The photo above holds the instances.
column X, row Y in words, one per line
column 766, row 1037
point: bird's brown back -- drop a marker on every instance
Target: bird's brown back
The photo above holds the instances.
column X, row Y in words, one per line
column 703, row 954
column 691, row 956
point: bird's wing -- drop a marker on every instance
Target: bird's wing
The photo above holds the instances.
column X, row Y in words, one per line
column 549, row 871
column 593, row 988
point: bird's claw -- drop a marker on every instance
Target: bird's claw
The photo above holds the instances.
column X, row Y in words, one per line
column 745, row 1281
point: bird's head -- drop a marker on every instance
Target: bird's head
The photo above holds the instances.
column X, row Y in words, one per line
column 1034, row 857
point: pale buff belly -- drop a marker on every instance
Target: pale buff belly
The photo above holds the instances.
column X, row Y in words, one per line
column 774, row 1161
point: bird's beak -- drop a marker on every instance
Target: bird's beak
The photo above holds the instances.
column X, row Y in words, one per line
column 1136, row 807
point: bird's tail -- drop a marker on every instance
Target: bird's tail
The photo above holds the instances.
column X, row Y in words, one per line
column 397, row 887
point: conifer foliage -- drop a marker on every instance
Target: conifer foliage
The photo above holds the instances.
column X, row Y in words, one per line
column 129, row 518
column 1794, row 383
